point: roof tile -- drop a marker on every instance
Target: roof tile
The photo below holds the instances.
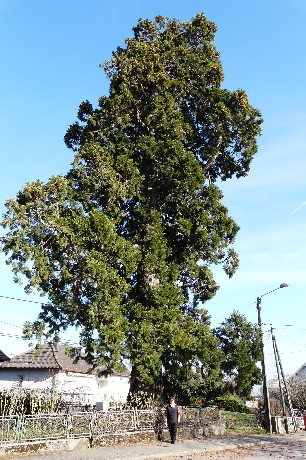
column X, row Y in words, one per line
column 47, row 356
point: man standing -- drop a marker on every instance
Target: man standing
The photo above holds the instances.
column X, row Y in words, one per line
column 172, row 417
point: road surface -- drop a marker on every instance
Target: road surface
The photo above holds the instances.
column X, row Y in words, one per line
column 231, row 447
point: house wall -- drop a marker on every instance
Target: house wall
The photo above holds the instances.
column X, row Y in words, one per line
column 112, row 389
column 75, row 387
column 25, row 378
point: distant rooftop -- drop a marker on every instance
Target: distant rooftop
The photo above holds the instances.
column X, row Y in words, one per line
column 47, row 356
column 3, row 357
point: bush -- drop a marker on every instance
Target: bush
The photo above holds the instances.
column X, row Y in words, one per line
column 231, row 403
column 240, row 422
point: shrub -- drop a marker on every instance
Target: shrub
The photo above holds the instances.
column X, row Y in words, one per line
column 231, row 403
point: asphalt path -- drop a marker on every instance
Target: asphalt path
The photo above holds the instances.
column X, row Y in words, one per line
column 230, row 447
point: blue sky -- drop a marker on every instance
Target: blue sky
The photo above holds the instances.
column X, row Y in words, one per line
column 49, row 64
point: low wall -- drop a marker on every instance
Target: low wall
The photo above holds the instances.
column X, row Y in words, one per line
column 55, row 432
column 42, row 448
column 209, row 430
column 282, row 425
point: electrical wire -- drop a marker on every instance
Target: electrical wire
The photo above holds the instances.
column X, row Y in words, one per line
column 21, row 300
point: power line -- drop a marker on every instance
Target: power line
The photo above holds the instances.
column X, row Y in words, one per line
column 7, row 334
column 42, row 303
column 15, row 336
column 10, row 324
column 238, row 310
column 21, row 300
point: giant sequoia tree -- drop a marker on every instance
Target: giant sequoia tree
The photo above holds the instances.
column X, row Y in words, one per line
column 123, row 244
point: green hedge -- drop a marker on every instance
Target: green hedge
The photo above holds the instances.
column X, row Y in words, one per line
column 237, row 421
column 231, row 403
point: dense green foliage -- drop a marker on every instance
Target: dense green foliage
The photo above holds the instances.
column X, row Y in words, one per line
column 231, row 403
column 123, row 244
column 240, row 422
column 241, row 344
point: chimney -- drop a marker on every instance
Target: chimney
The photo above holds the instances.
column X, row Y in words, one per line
column 56, row 341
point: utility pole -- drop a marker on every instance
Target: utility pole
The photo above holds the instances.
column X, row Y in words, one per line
column 263, row 364
column 287, row 394
column 278, row 372
column 264, row 375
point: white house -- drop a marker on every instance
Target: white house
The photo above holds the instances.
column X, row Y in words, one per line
column 49, row 367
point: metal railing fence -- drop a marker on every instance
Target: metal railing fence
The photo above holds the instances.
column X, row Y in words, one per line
column 34, row 428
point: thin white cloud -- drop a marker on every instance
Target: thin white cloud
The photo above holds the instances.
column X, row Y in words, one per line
column 299, row 207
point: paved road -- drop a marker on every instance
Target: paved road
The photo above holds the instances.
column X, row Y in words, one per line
column 282, row 450
column 232, row 447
